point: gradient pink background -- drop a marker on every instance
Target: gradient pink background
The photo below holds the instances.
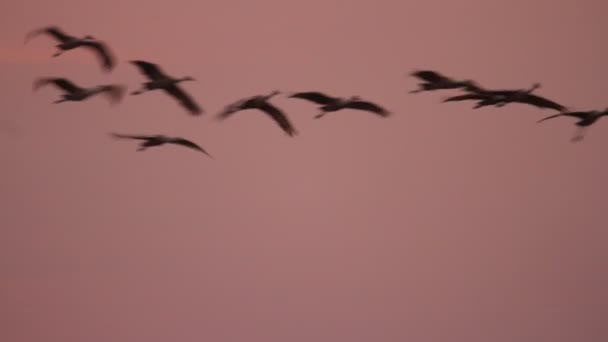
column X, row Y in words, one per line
column 438, row 224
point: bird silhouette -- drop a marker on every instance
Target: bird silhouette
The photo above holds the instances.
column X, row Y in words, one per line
column 160, row 80
column 482, row 99
column 159, row 140
column 586, row 119
column 436, row 81
column 261, row 102
column 500, row 98
column 333, row 104
column 68, row 42
column 114, row 92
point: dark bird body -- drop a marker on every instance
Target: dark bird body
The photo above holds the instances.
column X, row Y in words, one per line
column 159, row 140
column 585, row 119
column 261, row 102
column 500, row 98
column 67, row 42
column 334, row 104
column 160, row 80
column 436, row 81
column 482, row 99
column 114, row 92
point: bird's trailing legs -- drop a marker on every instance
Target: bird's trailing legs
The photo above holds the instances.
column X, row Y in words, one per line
column 320, row 115
column 142, row 148
column 59, row 101
column 137, row 92
column 58, row 53
column 421, row 88
column 481, row 104
column 580, row 135
column 489, row 102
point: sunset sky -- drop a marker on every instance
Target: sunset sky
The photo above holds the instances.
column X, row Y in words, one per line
column 440, row 223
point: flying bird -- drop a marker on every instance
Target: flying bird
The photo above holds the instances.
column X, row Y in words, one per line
column 526, row 96
column 158, row 140
column 585, row 119
column 67, row 42
column 435, row 81
column 500, row 98
column 333, row 104
column 261, row 102
column 160, row 80
column 483, row 99
column 114, row 92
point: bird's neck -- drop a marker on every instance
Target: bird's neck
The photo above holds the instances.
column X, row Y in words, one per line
column 531, row 89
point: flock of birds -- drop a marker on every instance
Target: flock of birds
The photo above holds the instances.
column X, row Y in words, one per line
column 159, row 79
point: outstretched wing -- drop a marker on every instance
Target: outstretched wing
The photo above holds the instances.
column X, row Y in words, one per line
column 431, row 76
column 103, row 53
column 53, row 31
column 61, row 83
column 368, row 106
column 542, row 102
column 466, row 97
column 578, row 115
column 184, row 99
column 151, row 70
column 279, row 117
column 129, row 136
column 114, row 92
column 190, row 144
column 231, row 109
column 314, row 96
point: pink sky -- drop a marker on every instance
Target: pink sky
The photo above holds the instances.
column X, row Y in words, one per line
column 437, row 224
